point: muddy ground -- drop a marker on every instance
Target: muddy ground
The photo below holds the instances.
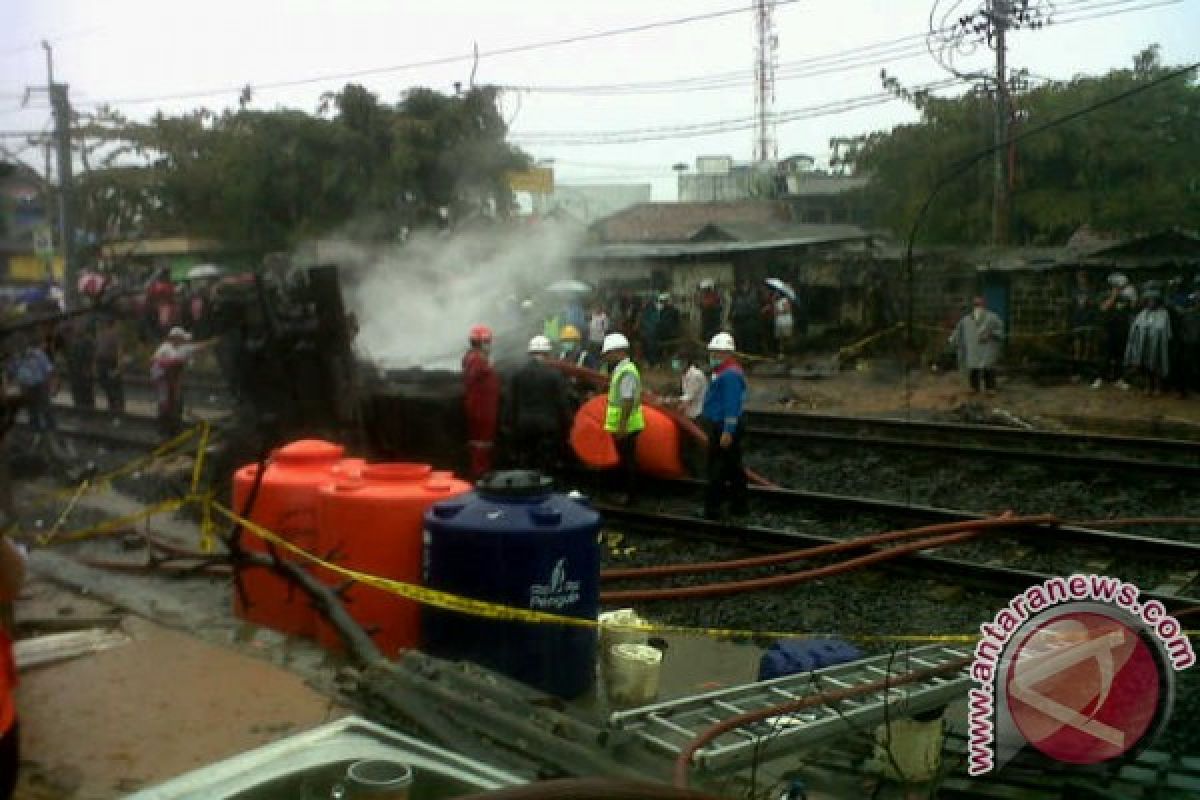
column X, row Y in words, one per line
column 87, row 721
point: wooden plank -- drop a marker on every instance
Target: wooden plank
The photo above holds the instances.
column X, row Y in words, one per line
column 54, row 647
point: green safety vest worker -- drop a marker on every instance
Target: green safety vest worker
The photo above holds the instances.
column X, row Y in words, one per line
column 612, row 416
column 552, row 327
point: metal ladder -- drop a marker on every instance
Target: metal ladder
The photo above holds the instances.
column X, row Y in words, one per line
column 669, row 726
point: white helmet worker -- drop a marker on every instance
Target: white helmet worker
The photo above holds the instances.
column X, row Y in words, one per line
column 614, row 341
column 722, row 343
column 540, row 344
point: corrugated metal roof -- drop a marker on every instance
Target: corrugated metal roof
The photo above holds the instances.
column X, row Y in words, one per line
column 677, row 222
column 621, row 251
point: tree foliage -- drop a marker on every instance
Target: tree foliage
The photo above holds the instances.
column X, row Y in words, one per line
column 265, row 180
column 1128, row 167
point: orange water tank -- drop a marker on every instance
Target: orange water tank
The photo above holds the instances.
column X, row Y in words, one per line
column 287, row 505
column 374, row 524
column 657, row 446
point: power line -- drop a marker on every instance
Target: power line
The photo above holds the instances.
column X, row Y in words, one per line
column 693, row 130
column 885, row 52
column 503, row 51
column 62, row 37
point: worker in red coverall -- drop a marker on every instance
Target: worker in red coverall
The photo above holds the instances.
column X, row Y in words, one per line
column 12, row 571
column 481, row 400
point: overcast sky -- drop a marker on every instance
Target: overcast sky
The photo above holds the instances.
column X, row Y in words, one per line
column 828, row 50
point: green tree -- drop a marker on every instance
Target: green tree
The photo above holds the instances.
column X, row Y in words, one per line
column 1128, row 167
column 265, row 180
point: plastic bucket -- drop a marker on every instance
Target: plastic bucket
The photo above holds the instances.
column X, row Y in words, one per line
column 376, row 779
column 915, row 749
column 612, row 634
column 632, row 677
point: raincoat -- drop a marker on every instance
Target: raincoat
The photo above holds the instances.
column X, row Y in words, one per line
column 1150, row 341
column 978, row 340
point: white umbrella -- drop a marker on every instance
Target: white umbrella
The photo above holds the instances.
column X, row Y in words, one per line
column 568, row 285
column 201, row 271
column 781, row 287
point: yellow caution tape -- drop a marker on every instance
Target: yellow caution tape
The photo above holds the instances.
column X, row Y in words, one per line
column 434, row 597
column 201, row 451
column 851, row 349
column 118, row 523
column 103, row 481
column 421, row 594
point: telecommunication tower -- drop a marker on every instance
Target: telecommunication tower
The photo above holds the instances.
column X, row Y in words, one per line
column 766, row 56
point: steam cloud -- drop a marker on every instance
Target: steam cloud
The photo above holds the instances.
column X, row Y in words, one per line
column 415, row 302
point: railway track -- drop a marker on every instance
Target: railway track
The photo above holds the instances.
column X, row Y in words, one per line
column 1176, row 458
column 786, row 519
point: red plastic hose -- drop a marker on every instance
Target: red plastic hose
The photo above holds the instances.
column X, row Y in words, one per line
column 773, row 559
column 789, row 579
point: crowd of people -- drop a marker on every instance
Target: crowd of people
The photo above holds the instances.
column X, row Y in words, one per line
column 93, row 347
column 764, row 320
column 531, row 413
column 1124, row 335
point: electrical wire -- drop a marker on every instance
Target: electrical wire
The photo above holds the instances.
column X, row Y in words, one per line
column 503, row 51
column 889, row 51
column 581, row 138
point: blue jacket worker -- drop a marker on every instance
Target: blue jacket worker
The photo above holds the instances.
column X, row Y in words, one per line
column 722, row 418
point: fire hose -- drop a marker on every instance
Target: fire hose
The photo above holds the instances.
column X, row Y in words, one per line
column 774, row 559
column 776, row 581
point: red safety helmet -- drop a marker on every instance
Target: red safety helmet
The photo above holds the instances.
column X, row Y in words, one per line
column 479, row 334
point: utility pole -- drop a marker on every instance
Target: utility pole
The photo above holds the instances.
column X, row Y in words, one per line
column 61, row 106
column 953, row 34
column 999, row 17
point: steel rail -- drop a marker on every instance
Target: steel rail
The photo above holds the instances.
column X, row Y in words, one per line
column 1057, row 440
column 1004, row 578
column 1167, row 549
column 1076, row 461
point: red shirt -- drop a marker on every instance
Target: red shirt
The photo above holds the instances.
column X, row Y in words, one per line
column 8, row 683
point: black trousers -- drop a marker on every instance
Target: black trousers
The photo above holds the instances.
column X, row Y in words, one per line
column 627, row 453
column 988, row 375
column 82, row 384
column 538, row 448
column 726, row 475
column 9, row 758
column 108, row 373
column 1112, row 364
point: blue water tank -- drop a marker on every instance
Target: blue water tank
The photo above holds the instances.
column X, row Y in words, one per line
column 516, row 543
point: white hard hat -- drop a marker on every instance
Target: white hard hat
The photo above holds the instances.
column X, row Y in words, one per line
column 540, row 344
column 722, row 342
column 179, row 333
column 707, row 283
column 614, row 341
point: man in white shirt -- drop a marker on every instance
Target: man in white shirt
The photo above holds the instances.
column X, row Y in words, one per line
column 166, row 369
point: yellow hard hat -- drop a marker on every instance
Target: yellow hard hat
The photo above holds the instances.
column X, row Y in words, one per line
column 569, row 332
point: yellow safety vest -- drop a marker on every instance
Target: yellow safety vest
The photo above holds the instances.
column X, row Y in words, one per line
column 612, row 415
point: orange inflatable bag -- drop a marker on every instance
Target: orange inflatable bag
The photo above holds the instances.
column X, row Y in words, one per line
column 657, row 446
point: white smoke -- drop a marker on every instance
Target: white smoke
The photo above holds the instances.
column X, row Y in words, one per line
column 415, row 302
